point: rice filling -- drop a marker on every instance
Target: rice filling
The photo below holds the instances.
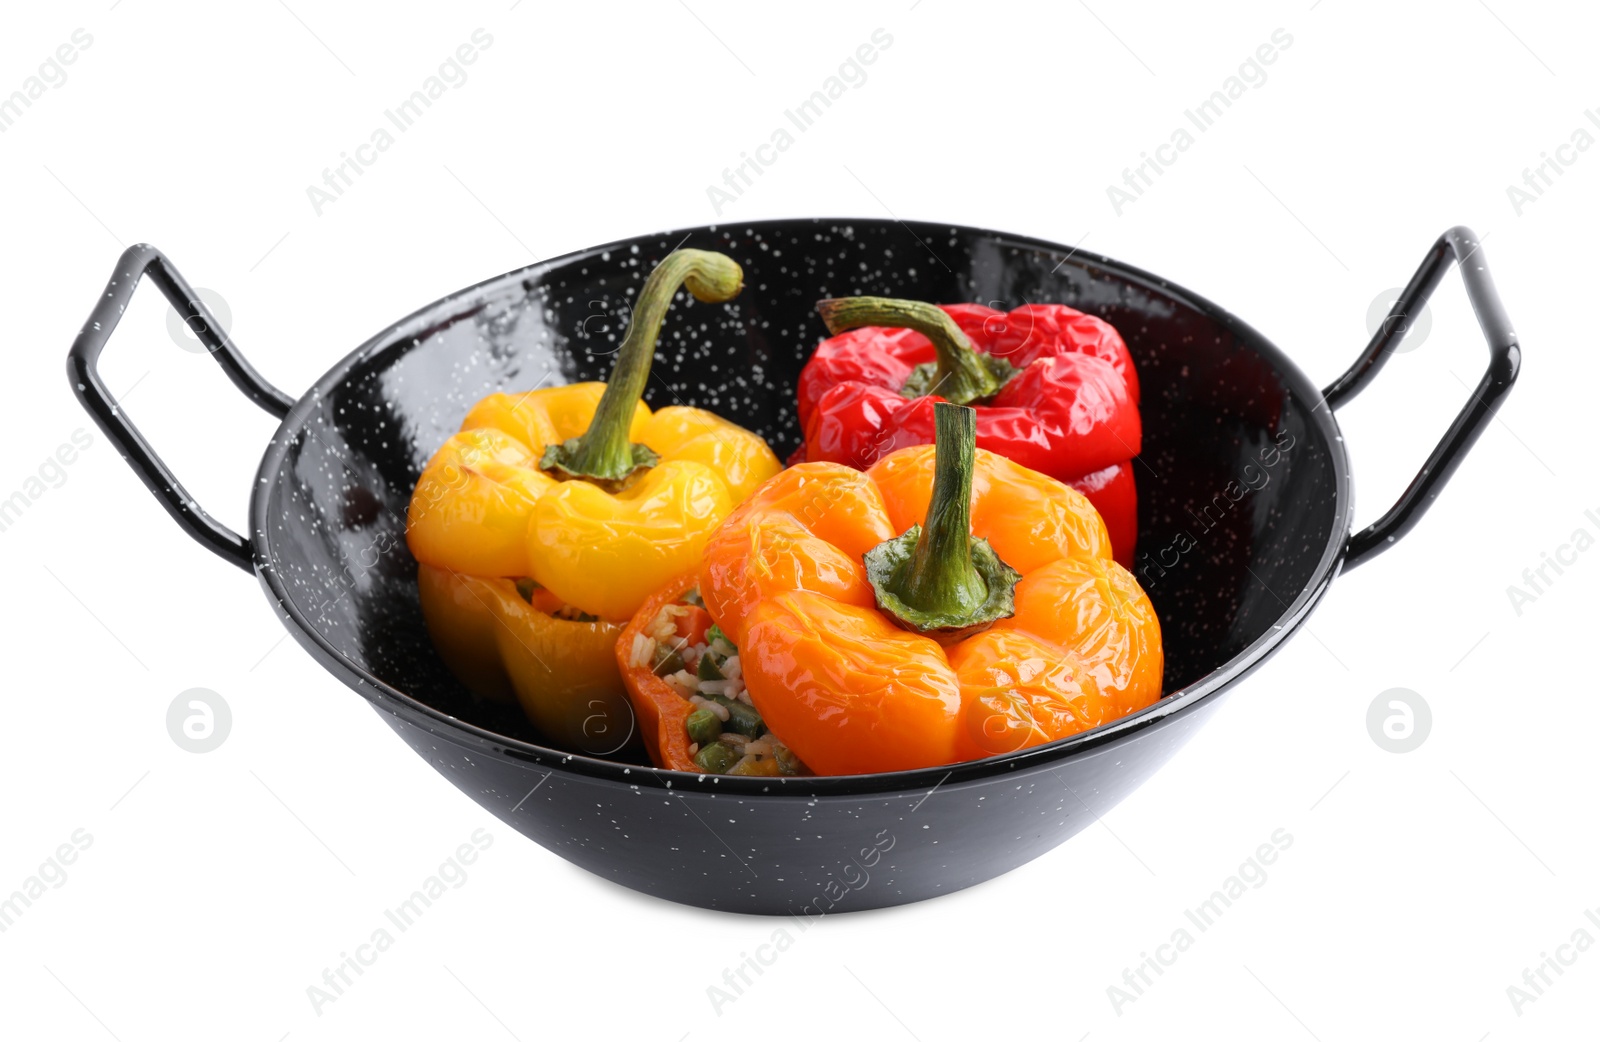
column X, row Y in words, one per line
column 726, row 732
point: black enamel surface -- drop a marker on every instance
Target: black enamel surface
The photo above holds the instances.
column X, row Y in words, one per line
column 328, row 530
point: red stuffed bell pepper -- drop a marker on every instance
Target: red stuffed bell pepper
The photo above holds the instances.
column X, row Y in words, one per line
column 1055, row 390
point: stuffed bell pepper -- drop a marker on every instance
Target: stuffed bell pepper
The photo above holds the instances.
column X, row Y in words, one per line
column 1055, row 390
column 947, row 604
column 547, row 520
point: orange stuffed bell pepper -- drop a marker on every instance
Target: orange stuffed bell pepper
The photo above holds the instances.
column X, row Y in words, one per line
column 544, row 523
column 945, row 605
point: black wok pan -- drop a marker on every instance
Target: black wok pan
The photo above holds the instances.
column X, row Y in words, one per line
column 1244, row 519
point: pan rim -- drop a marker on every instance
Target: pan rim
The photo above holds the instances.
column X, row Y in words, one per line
column 1168, row 709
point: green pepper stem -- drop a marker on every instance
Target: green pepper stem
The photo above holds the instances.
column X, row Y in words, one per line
column 961, row 375
column 935, row 578
column 940, row 576
column 604, row 454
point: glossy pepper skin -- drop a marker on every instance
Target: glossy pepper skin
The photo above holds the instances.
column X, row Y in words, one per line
column 852, row 691
column 595, row 499
column 1069, row 410
column 505, row 649
column 484, row 507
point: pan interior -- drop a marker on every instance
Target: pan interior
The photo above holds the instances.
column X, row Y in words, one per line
column 1237, row 480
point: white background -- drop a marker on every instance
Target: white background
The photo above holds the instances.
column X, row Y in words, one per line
column 1419, row 886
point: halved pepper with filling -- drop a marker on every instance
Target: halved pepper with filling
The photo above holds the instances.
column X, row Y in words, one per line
column 543, row 524
column 945, row 605
column 684, row 676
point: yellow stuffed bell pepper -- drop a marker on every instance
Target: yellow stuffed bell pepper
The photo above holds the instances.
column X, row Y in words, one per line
column 548, row 519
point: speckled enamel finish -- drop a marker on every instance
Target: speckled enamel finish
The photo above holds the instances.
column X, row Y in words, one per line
column 1234, row 552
